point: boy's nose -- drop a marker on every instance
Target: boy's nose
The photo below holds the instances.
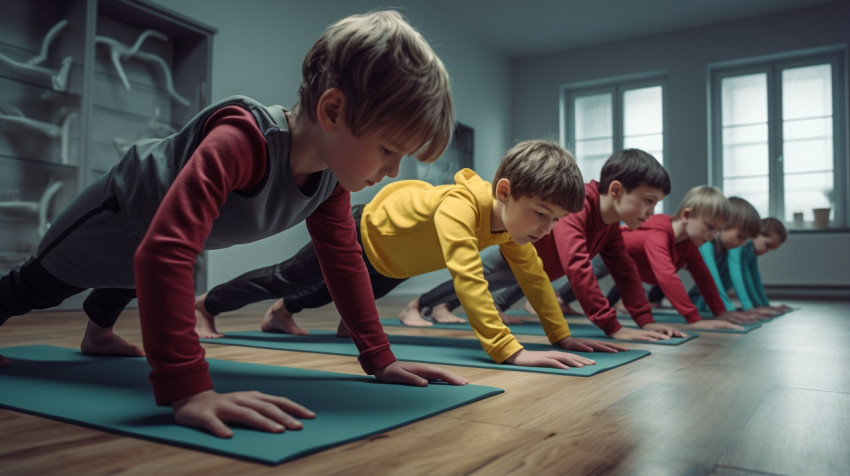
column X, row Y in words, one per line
column 392, row 169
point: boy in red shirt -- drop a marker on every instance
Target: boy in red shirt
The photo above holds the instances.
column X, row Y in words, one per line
column 663, row 245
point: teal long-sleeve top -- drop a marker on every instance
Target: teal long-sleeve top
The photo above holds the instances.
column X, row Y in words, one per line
column 716, row 259
column 745, row 276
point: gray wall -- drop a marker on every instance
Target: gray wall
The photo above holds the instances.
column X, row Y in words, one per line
column 260, row 45
column 258, row 52
column 685, row 57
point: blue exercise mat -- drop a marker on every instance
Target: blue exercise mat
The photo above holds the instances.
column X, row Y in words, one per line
column 582, row 331
column 433, row 350
column 114, row 394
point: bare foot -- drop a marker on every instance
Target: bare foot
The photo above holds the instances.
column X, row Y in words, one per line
column 4, row 362
column 341, row 330
column 279, row 320
column 506, row 319
column 443, row 315
column 410, row 315
column 103, row 341
column 204, row 321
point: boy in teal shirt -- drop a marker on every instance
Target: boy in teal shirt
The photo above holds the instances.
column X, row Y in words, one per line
column 743, row 266
column 744, row 223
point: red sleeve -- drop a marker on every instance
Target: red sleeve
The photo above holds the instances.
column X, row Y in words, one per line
column 625, row 274
column 571, row 241
column 704, row 281
column 231, row 156
column 334, row 236
column 657, row 249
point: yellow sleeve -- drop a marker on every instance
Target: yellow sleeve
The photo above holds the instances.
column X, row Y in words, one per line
column 528, row 270
column 455, row 221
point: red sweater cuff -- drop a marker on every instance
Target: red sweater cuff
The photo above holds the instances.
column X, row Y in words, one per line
column 643, row 319
column 610, row 325
column 171, row 390
column 376, row 358
column 692, row 317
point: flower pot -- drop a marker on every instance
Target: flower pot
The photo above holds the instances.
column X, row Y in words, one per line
column 821, row 217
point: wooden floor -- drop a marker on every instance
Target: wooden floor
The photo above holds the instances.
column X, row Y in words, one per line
column 775, row 401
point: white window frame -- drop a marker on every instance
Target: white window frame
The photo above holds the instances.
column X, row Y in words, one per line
column 617, row 88
column 776, row 181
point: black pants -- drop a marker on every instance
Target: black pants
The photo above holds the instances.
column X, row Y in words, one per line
column 30, row 287
column 298, row 280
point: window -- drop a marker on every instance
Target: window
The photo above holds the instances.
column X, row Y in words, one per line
column 599, row 119
column 777, row 137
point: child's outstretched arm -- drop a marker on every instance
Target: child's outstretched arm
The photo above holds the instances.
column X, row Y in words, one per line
column 707, row 252
column 334, row 234
column 232, row 156
column 455, row 222
column 736, row 274
column 534, row 282
column 623, row 270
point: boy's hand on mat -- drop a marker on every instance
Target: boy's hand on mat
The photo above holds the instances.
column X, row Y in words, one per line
column 211, row 411
column 668, row 330
column 412, row 373
column 737, row 317
column 638, row 334
column 589, row 345
column 715, row 324
column 767, row 311
column 548, row 358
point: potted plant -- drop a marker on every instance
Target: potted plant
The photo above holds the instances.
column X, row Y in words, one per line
column 821, row 215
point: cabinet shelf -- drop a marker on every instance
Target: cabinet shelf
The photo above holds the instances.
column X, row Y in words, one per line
column 95, row 104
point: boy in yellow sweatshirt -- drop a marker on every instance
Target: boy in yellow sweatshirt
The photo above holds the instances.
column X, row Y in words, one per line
column 412, row 228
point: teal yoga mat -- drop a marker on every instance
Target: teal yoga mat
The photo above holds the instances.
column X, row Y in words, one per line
column 433, row 350
column 113, row 394
column 675, row 318
column 583, row 331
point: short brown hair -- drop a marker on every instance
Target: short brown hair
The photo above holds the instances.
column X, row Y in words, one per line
column 544, row 169
column 774, row 226
column 744, row 217
column 705, row 202
column 390, row 77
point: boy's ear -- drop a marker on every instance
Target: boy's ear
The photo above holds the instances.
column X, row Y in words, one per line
column 686, row 214
column 503, row 190
column 329, row 109
column 615, row 189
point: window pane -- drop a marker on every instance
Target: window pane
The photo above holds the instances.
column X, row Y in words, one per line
column 591, row 155
column 643, row 124
column 593, row 117
column 753, row 189
column 745, row 150
column 745, row 138
column 653, row 143
column 806, row 191
column 807, row 92
column 807, row 139
column 594, row 133
column 744, row 99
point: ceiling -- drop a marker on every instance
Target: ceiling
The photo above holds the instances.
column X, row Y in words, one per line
column 528, row 27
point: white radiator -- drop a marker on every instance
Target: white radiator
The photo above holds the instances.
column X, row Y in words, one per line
column 809, row 259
